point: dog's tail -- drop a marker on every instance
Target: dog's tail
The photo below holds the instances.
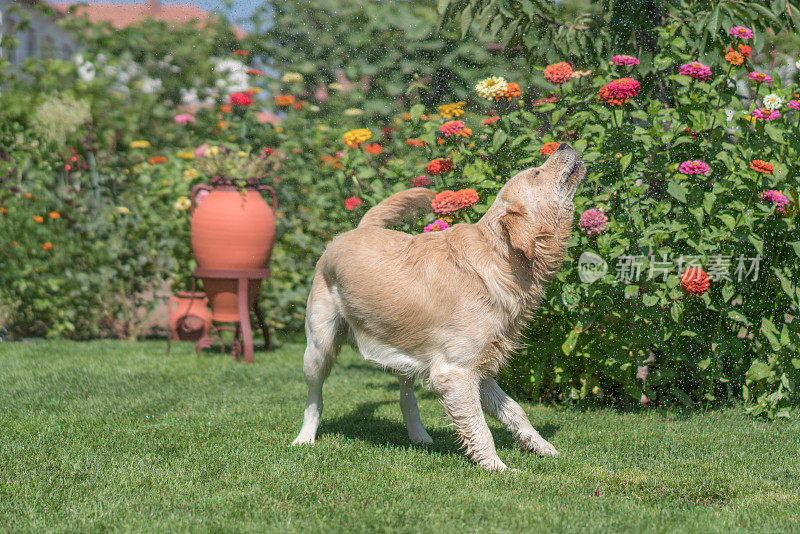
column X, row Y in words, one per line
column 397, row 208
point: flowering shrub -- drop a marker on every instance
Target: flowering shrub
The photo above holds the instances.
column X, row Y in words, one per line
column 688, row 207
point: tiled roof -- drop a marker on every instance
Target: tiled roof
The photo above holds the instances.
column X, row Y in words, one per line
column 121, row 15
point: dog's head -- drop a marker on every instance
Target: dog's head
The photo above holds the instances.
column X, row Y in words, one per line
column 536, row 206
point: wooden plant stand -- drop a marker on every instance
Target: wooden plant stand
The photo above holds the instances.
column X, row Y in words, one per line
column 243, row 328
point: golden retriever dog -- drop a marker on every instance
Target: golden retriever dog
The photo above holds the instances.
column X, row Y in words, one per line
column 444, row 306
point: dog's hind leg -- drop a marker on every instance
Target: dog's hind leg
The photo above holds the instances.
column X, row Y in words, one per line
column 408, row 405
column 503, row 408
column 459, row 391
column 325, row 333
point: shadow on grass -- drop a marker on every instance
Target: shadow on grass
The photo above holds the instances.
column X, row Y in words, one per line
column 362, row 424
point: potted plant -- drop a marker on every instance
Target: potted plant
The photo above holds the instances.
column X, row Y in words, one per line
column 232, row 226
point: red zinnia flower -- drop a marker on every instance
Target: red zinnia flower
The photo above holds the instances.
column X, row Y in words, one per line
column 241, row 53
column 759, row 165
column 421, row 181
column 439, row 166
column 419, row 143
column 744, row 50
column 254, row 72
column 241, row 99
column 155, row 160
column 488, row 121
column 694, row 281
column 47, row 246
column 352, row 203
column 373, row 148
column 548, row 148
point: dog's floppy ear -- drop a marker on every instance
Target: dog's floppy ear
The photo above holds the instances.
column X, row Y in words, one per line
column 521, row 231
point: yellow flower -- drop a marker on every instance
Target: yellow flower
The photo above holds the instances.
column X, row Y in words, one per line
column 491, row 87
column 255, row 90
column 278, row 129
column 212, row 151
column 291, row 77
column 123, row 210
column 448, row 111
column 183, row 204
column 242, row 154
column 190, row 174
column 231, row 138
column 186, row 154
column 353, row 112
column 336, row 86
column 354, row 137
column 140, row 144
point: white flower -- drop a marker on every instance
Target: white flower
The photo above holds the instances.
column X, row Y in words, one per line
column 772, row 101
column 150, row 85
column 491, row 87
column 189, row 96
column 232, row 73
column 86, row 69
column 729, row 114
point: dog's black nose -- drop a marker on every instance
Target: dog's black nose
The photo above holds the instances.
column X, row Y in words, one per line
column 563, row 146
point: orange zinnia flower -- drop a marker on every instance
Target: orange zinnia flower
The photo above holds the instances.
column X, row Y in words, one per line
column 55, row 215
column 548, row 148
column 299, row 105
column 512, row 91
column 419, row 143
column 38, row 218
column 744, row 50
column 156, row 160
column 733, row 57
column 3, row 211
column 254, row 72
column 284, row 100
column 241, row 53
column 759, row 165
column 558, row 73
column 373, row 148
column 47, row 246
column 222, row 124
column 225, row 108
column 26, row 195
column 694, row 281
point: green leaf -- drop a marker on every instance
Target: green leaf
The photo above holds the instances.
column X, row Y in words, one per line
column 499, row 138
column 758, row 371
column 650, row 300
column 677, row 190
column 416, row 111
column 569, row 344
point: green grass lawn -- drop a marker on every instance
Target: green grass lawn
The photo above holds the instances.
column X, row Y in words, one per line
column 113, row 435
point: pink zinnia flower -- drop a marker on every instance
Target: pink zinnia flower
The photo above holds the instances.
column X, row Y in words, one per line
column 760, row 77
column 793, row 104
column 421, row 181
column 741, row 32
column 695, row 70
column 352, row 203
column 619, row 91
column 201, row 150
column 624, row 60
column 436, row 226
column 593, row 222
column 776, row 198
column 694, row 166
column 451, row 128
column 184, row 118
column 766, row 114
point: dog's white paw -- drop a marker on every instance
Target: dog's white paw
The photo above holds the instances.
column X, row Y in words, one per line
column 543, row 448
column 302, row 440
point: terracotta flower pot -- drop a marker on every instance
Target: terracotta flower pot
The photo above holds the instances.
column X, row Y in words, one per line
column 231, row 229
column 189, row 316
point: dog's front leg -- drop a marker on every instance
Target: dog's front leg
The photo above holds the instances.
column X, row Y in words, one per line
column 459, row 391
column 507, row 411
